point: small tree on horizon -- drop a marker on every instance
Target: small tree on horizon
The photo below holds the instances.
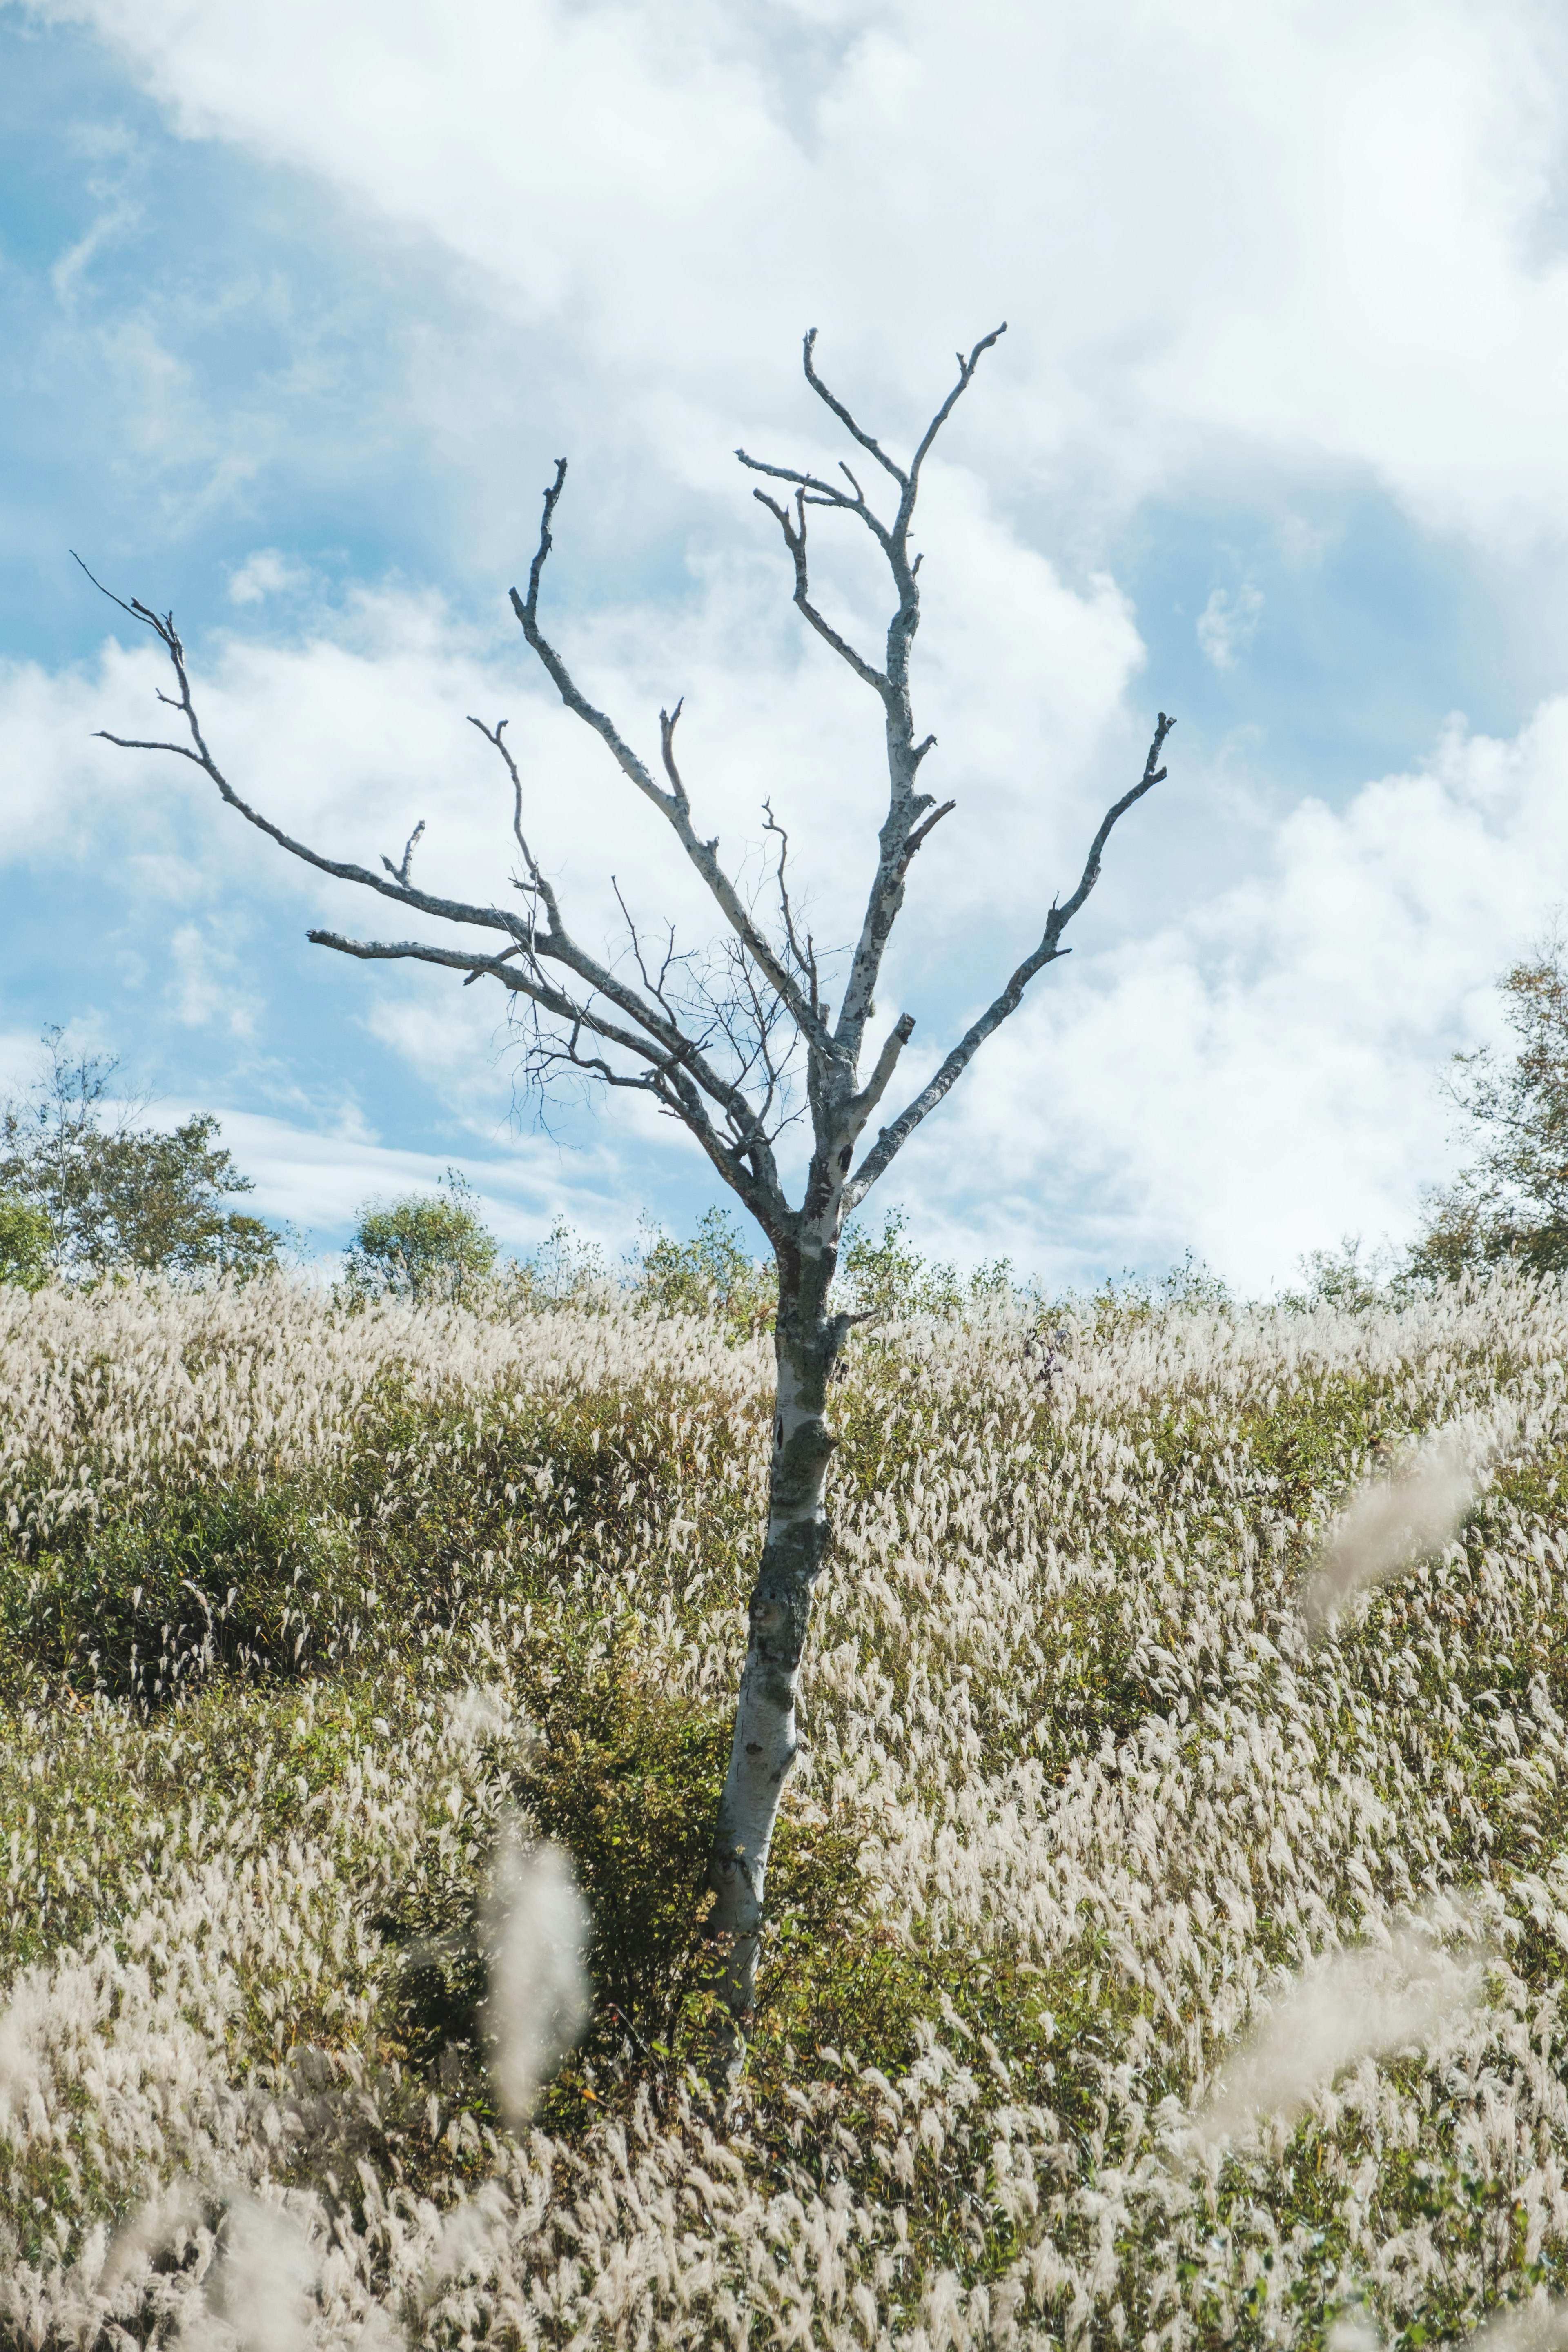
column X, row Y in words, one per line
column 428, row 1247
column 24, row 1243
column 98, row 1195
column 716, row 1046
column 1512, row 1205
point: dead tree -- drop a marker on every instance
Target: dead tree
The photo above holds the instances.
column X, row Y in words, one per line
column 716, row 1044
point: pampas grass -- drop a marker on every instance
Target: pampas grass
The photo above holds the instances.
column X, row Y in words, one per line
column 1391, row 1521
column 537, row 1928
column 1365, row 2002
column 1169, row 1943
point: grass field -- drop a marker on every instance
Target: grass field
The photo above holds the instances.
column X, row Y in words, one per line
column 1140, row 1972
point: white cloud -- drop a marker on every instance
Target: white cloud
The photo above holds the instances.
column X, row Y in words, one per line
column 1228, row 624
column 1318, row 228
column 207, row 985
column 267, row 571
column 1253, row 1076
column 1261, row 1073
column 318, row 1179
column 350, row 735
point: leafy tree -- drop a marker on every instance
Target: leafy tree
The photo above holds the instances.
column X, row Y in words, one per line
column 884, row 1279
column 564, row 1271
column 25, row 1239
column 111, row 1197
column 1349, row 1276
column 712, row 1273
column 1512, row 1205
column 430, row 1247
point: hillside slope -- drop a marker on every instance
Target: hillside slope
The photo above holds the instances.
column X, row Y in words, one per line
column 299, row 1610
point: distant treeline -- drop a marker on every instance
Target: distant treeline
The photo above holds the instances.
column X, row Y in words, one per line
column 86, row 1194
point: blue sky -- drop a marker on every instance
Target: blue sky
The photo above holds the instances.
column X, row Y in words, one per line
column 299, row 308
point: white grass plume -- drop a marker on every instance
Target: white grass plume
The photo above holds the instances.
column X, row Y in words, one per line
column 537, row 1927
column 268, row 2270
column 160, row 2225
column 1538, row 2326
column 1356, row 2004
column 1391, row 1522
column 1278, row 1800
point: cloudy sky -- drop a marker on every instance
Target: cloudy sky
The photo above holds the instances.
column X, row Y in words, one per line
column 298, row 306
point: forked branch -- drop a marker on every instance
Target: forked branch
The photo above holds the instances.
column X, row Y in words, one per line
column 675, row 805
column 893, row 1138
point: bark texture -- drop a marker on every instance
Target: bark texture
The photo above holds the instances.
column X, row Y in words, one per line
column 808, row 1341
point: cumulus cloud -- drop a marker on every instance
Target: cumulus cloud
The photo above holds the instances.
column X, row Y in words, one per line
column 267, row 571
column 1263, row 1069
column 1255, row 1070
column 1200, row 217
column 319, row 1175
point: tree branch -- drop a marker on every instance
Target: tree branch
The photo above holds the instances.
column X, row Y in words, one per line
column 674, row 806
column 877, row 1085
column 794, row 539
column 901, row 833
column 966, row 368
column 891, row 1139
column 874, row 447
column 921, row 834
column 662, row 1037
column 162, row 625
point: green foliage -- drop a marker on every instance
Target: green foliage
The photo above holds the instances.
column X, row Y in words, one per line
column 430, row 1247
column 432, row 1517
column 1512, row 1205
column 626, row 1775
column 564, row 1271
column 24, row 1238
column 108, row 1199
column 1141, row 1299
column 885, row 1277
column 709, row 1274
column 252, row 1580
column 580, row 1547
column 1348, row 1278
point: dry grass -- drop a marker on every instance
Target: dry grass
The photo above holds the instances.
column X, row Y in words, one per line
column 1146, row 1970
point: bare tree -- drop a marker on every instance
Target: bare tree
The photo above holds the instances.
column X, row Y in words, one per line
column 716, row 1044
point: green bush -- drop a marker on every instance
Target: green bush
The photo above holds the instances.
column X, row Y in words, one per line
column 114, row 1198
column 24, row 1238
column 886, row 1279
column 430, row 1247
column 709, row 1274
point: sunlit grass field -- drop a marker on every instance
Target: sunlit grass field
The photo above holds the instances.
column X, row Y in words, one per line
column 300, row 1606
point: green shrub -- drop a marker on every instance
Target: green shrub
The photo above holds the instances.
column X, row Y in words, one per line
column 113, row 1198
column 24, row 1238
column 430, row 1247
column 711, row 1275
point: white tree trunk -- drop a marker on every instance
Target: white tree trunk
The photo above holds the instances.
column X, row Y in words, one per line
column 807, row 1342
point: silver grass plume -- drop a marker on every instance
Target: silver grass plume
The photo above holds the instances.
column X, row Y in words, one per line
column 265, row 2281
column 537, row 1925
column 1391, row 1522
column 1538, row 2326
column 1354, row 2005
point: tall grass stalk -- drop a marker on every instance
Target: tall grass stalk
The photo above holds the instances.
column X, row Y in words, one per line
column 1162, row 1954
